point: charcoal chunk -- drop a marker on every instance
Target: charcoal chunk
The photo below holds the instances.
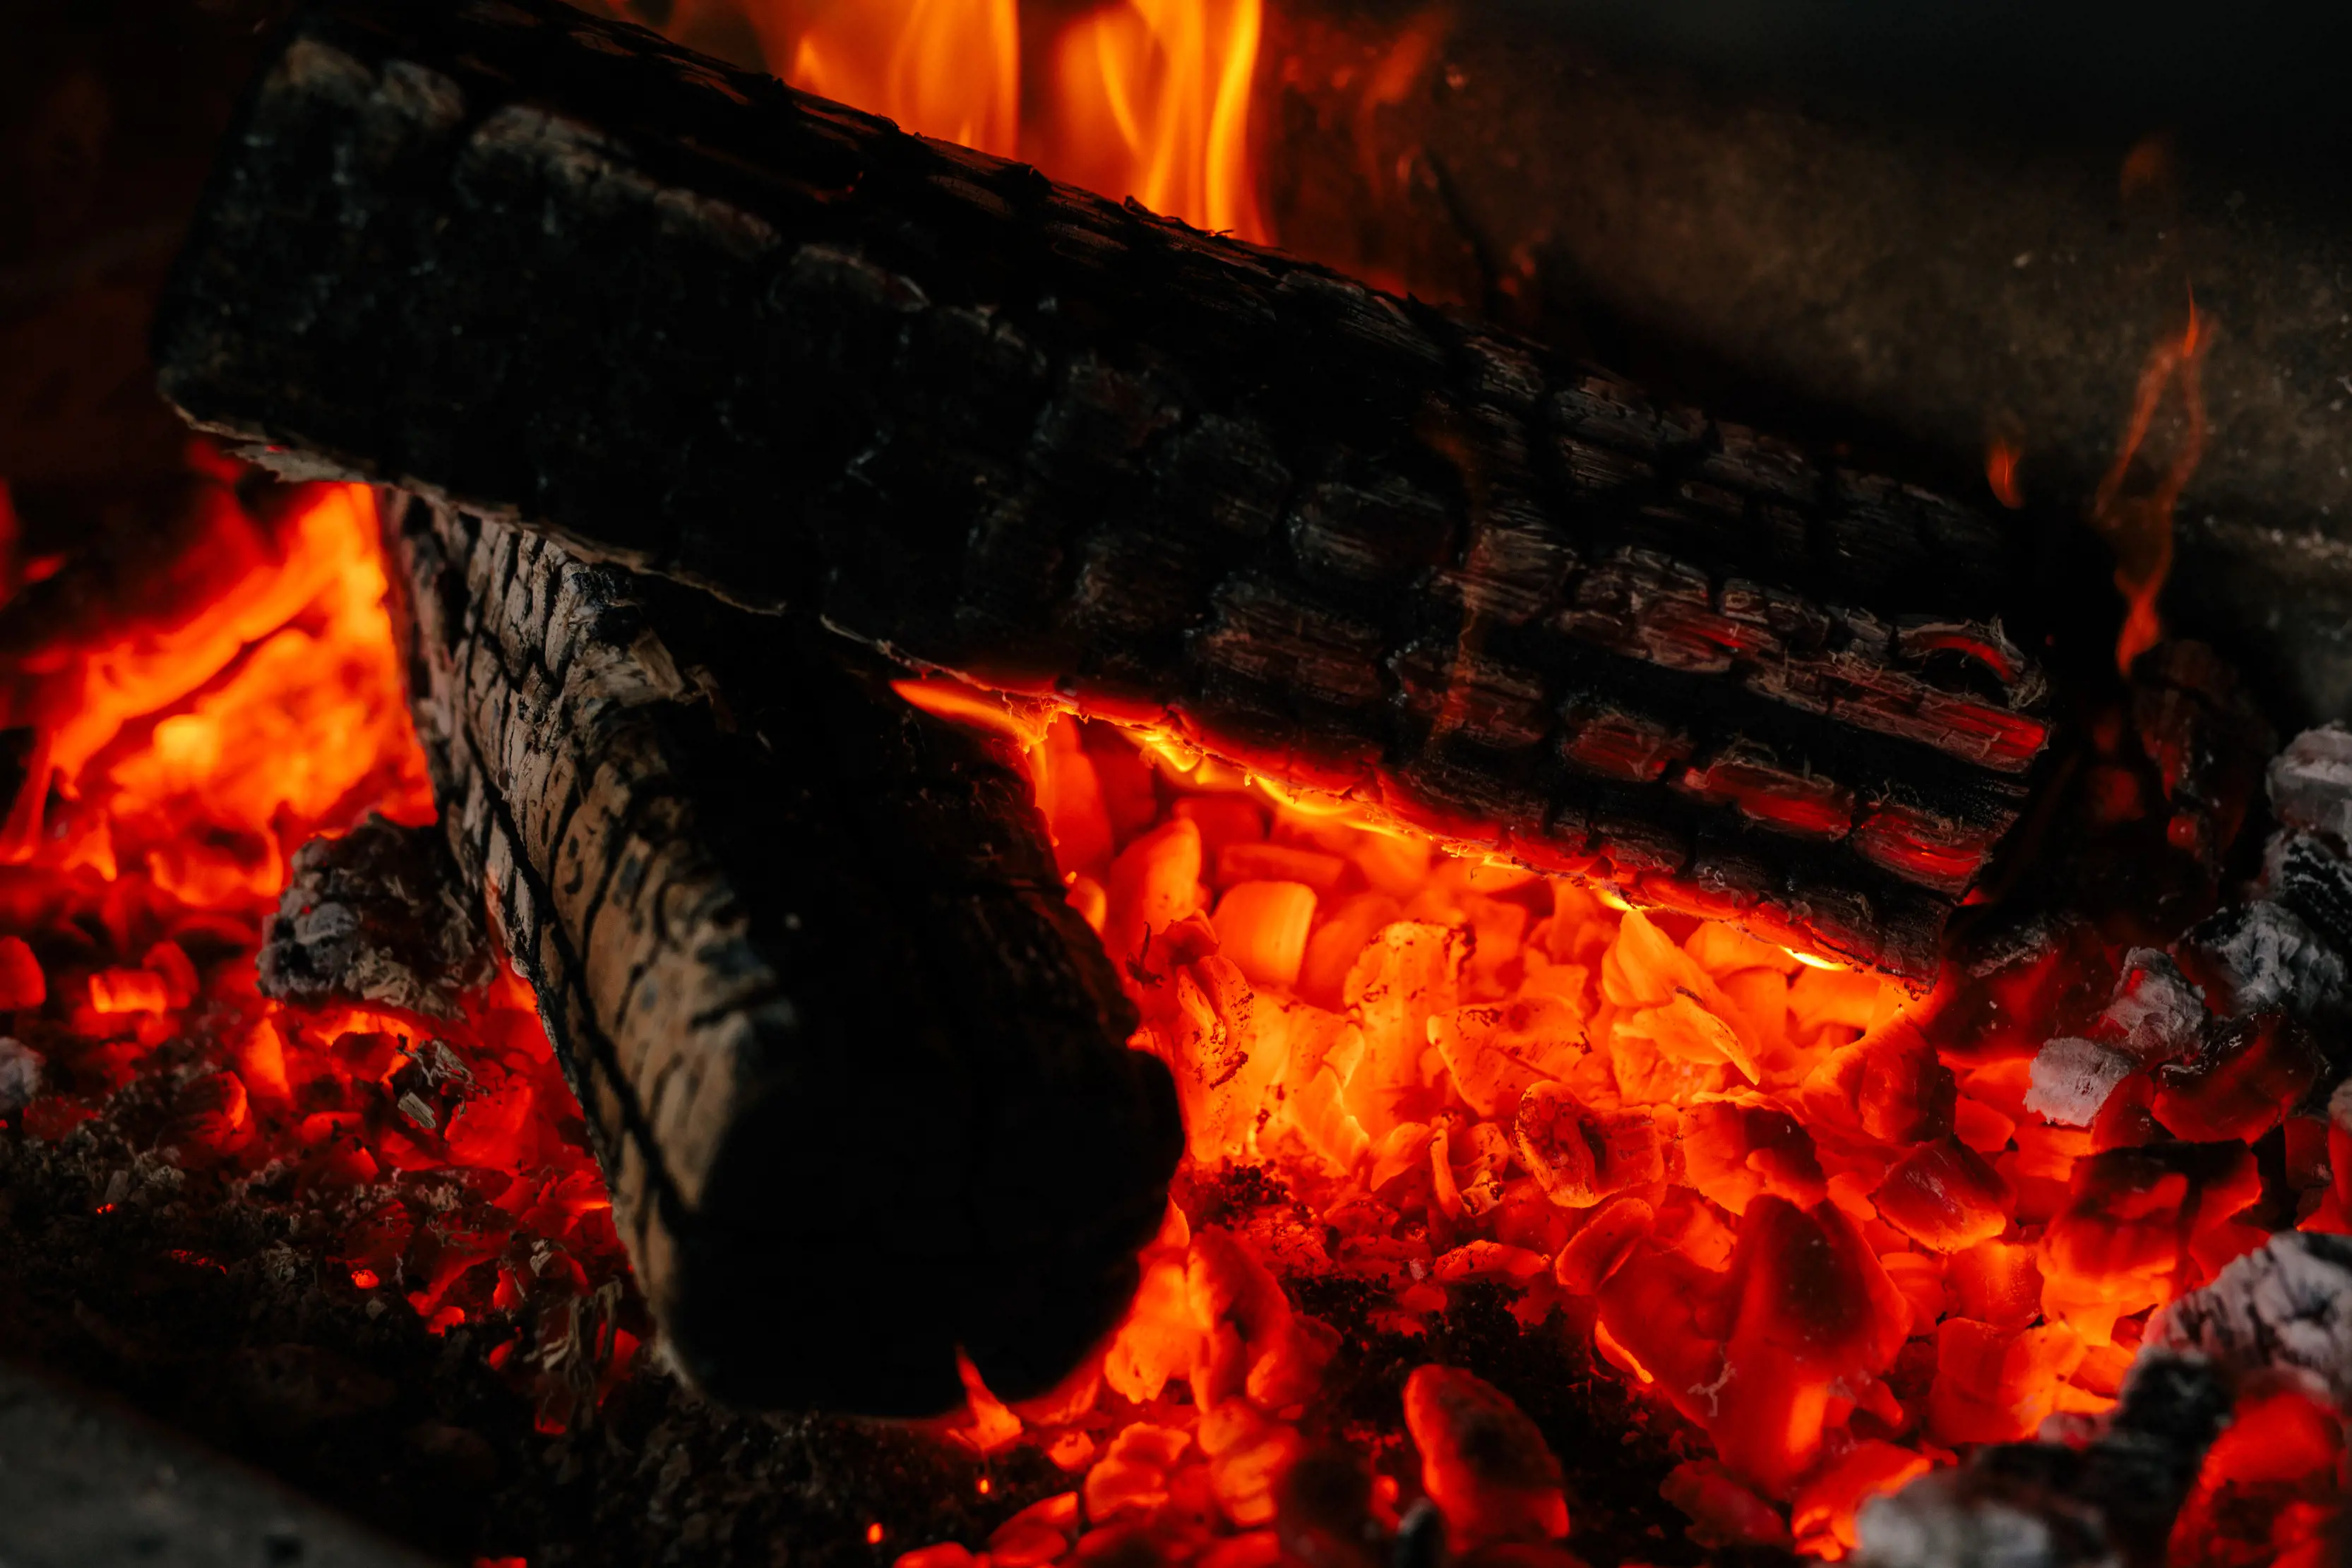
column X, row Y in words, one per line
column 2200, row 727
column 2156, row 1013
column 2301, row 872
column 2072, row 1078
column 2108, row 1499
column 1963, row 1518
column 2285, row 1307
column 2262, row 957
column 2155, row 1016
column 377, row 916
column 2311, row 783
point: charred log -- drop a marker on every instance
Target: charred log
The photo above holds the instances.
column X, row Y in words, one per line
column 852, row 1065
column 686, row 319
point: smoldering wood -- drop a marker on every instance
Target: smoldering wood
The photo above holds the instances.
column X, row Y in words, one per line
column 377, row 916
column 683, row 318
column 2210, row 743
column 855, row 1070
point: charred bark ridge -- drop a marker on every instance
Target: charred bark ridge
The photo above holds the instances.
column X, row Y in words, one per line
column 683, row 318
column 853, row 1066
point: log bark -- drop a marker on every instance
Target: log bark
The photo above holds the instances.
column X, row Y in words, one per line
column 683, row 318
column 853, row 1067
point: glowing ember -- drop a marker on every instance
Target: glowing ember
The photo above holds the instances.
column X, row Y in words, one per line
column 239, row 695
column 1838, row 1233
column 2002, row 458
column 1809, row 1216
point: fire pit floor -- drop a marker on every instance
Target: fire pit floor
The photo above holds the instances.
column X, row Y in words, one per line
column 217, row 1306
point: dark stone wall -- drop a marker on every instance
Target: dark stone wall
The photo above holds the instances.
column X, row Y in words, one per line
column 1832, row 263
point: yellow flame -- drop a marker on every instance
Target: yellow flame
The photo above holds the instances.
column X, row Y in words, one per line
column 1154, row 102
column 1148, row 99
column 1024, row 724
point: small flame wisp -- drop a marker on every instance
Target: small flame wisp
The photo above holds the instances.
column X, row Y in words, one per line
column 2138, row 520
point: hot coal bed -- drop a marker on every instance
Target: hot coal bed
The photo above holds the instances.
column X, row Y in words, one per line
column 1276, row 925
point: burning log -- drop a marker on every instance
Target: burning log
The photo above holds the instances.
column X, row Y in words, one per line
column 851, row 1064
column 1004, row 428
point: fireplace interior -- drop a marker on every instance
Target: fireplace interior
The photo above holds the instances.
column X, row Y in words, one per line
column 1365, row 787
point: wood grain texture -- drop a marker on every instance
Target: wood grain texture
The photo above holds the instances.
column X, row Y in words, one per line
column 683, row 318
column 854, row 1069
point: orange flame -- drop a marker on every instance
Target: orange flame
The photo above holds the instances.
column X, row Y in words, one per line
column 206, row 741
column 949, row 68
column 2138, row 525
column 1148, row 99
column 1154, row 102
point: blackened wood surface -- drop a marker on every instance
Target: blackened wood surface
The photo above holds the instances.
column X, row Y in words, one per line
column 689, row 321
column 855, row 1070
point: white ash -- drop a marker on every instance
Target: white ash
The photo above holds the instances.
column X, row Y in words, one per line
column 1949, row 1520
column 2311, row 783
column 20, row 1074
column 2269, row 959
column 2072, row 1078
column 2283, row 1307
column 2155, row 1016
